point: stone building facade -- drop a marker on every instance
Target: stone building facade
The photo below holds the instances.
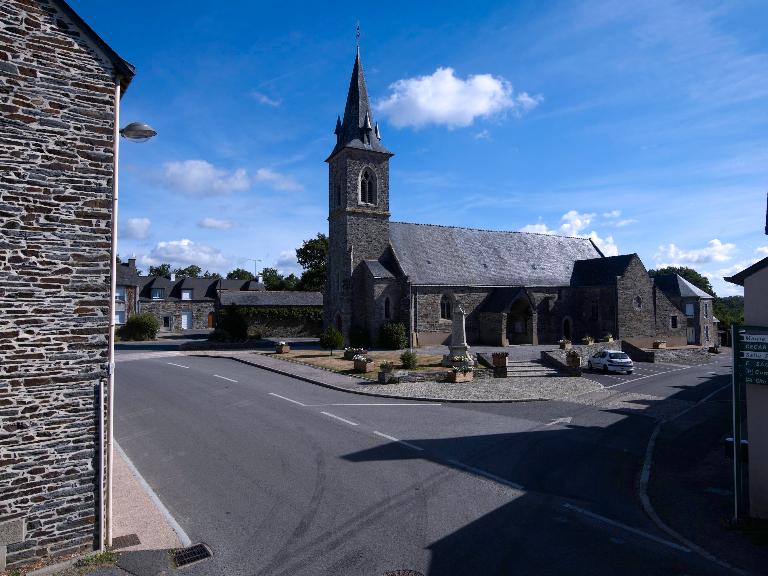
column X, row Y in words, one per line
column 58, row 101
column 515, row 287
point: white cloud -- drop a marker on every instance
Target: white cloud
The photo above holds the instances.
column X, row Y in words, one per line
column 612, row 214
column 731, row 270
column 185, row 252
column 762, row 250
column 287, row 263
column 444, row 99
column 136, row 229
column 538, row 228
column 482, row 135
column 278, row 181
column 627, row 222
column 715, row 251
column 606, row 245
column 198, row 177
column 215, row 224
column 266, row 100
column 574, row 222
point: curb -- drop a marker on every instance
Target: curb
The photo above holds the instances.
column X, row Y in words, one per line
column 374, row 394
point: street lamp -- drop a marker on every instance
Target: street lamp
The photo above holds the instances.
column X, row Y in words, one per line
column 135, row 132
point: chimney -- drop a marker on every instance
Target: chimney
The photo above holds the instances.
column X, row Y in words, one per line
column 258, row 278
column 132, row 264
column 173, row 277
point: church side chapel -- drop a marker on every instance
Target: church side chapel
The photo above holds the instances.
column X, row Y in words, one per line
column 514, row 287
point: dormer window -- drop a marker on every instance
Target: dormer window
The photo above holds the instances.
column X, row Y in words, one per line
column 367, row 188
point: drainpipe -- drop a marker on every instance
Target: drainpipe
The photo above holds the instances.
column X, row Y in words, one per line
column 107, row 540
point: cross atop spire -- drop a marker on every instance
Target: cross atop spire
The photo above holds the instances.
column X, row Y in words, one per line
column 356, row 130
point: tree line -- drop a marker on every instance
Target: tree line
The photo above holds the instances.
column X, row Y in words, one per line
column 311, row 255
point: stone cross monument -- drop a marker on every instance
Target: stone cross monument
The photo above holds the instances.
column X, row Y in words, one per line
column 458, row 345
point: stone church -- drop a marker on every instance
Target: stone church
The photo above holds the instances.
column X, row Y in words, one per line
column 516, row 287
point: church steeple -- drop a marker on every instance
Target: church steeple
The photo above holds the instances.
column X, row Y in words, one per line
column 355, row 130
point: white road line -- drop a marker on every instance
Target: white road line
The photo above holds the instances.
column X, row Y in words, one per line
column 225, row 378
column 381, row 404
column 179, row 365
column 629, row 381
column 287, row 399
column 625, row 527
column 403, row 442
column 340, row 418
column 485, row 474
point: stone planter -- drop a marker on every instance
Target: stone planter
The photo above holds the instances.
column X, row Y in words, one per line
column 607, row 340
column 350, row 354
column 455, row 377
column 362, row 366
column 565, row 345
column 282, row 348
column 499, row 359
column 386, row 376
column 659, row 345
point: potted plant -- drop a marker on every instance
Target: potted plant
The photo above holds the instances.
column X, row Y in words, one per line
column 565, row 344
column 282, row 348
column 363, row 363
column 659, row 344
column 385, row 372
column 573, row 361
column 460, row 361
column 461, row 374
column 350, row 353
column 587, row 340
column 608, row 337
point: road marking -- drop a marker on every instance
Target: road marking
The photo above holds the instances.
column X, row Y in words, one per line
column 340, row 418
column 225, row 378
column 381, row 404
column 630, row 380
column 566, row 420
column 485, row 474
column 179, row 365
column 287, row 399
column 625, row 527
column 403, row 442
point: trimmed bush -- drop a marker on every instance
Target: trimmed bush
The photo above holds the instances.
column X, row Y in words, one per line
column 392, row 336
column 331, row 339
column 140, row 327
column 358, row 337
column 408, row 359
column 232, row 321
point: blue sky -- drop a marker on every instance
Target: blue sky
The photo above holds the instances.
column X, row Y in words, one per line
column 643, row 125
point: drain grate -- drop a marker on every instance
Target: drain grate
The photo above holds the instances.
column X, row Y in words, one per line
column 403, row 573
column 190, row 555
column 119, row 542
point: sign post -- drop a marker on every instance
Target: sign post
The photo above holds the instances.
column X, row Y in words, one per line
column 750, row 366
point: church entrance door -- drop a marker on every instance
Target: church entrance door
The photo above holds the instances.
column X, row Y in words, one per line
column 520, row 322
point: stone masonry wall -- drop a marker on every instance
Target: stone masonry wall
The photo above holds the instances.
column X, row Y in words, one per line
column 174, row 308
column 56, row 102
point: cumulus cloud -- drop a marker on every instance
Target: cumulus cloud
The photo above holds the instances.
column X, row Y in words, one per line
column 538, row 228
column 215, row 224
column 715, row 251
column 266, row 100
column 185, row 252
column 444, row 99
column 762, row 250
column 606, row 245
column 627, row 222
column 287, row 263
column 136, row 229
column 198, row 177
column 612, row 214
column 277, row 180
column 573, row 224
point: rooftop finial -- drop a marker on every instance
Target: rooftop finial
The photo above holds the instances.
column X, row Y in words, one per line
column 357, row 37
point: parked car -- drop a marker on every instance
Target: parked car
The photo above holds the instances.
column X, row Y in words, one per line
column 611, row 361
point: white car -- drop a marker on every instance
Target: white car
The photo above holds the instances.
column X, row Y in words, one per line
column 611, row 361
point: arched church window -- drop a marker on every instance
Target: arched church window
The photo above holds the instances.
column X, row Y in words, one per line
column 367, row 188
column 386, row 308
column 445, row 307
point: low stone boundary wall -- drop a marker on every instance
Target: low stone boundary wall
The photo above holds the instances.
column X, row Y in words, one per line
column 556, row 358
column 687, row 356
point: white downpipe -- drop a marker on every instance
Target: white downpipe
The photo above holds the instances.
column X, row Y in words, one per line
column 112, row 291
column 101, row 467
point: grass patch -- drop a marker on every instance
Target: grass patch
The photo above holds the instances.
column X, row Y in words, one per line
column 321, row 359
column 98, row 559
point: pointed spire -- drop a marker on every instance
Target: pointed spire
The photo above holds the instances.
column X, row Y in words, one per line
column 357, row 123
column 376, row 131
column 337, row 131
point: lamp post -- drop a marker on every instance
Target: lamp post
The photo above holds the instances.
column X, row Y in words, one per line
column 136, row 132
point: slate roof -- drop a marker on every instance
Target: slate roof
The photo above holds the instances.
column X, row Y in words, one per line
column 272, row 298
column 600, row 271
column 358, row 117
column 739, row 277
column 450, row 256
column 127, row 275
column 676, row 285
column 225, row 284
column 377, row 269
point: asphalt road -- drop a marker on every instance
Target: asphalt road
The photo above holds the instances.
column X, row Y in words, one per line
column 281, row 477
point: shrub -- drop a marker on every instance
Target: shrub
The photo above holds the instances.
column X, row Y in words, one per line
column 358, row 337
column 408, row 359
column 392, row 336
column 220, row 335
column 331, row 339
column 140, row 327
column 232, row 321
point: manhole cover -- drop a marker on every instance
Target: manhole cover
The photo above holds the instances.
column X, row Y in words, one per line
column 119, row 542
column 403, row 573
column 190, row 555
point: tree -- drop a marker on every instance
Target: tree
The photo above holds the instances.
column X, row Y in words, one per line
column 239, row 274
column 729, row 310
column 313, row 256
column 701, row 282
column 160, row 270
column 331, row 339
column 191, row 271
column 272, row 279
column 212, row 275
column 291, row 282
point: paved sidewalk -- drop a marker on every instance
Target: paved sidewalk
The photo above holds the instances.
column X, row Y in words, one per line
column 480, row 390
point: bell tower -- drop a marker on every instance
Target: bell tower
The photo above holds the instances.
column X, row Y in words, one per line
column 358, row 205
